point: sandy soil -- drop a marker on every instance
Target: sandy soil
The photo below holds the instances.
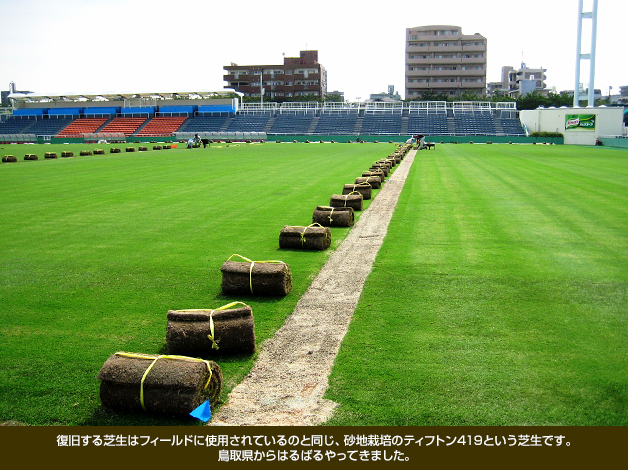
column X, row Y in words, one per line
column 287, row 383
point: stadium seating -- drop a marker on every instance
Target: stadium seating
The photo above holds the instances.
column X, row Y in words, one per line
column 433, row 124
column 141, row 121
column 14, row 125
column 50, row 126
column 336, row 123
column 292, row 123
column 124, row 125
column 475, row 124
column 208, row 123
column 249, row 122
column 82, row 126
column 381, row 123
column 161, row 126
column 512, row 127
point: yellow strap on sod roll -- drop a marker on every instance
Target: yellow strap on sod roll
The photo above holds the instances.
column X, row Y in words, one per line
column 164, row 356
column 211, row 319
column 346, row 196
column 252, row 264
column 303, row 233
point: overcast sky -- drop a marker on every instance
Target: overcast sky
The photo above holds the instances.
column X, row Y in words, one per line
column 97, row 46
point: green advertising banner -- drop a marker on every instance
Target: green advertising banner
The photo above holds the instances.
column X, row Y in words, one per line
column 580, row 121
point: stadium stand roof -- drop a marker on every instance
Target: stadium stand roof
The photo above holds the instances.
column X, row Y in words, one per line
column 113, row 96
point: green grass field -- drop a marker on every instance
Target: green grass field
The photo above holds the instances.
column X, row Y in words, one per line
column 498, row 298
column 97, row 249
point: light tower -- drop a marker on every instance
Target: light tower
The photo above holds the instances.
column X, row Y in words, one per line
column 592, row 15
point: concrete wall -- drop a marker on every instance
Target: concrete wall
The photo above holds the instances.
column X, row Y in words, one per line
column 609, row 121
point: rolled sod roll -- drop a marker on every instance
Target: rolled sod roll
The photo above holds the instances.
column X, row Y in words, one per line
column 333, row 216
column 67, row 154
column 312, row 237
column 353, row 200
column 364, row 189
column 172, row 385
column 384, row 162
column 50, row 155
column 377, row 172
column 381, row 167
column 229, row 329
column 374, row 181
column 264, row 278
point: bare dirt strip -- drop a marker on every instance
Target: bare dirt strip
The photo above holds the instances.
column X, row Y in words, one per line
column 288, row 381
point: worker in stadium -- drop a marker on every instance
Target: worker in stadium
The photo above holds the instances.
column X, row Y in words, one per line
column 195, row 142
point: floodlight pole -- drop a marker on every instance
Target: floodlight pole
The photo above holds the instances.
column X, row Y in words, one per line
column 591, row 56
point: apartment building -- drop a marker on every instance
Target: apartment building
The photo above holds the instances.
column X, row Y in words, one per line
column 519, row 82
column 296, row 77
column 442, row 60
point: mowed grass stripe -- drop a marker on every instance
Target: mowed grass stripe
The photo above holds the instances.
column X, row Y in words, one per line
column 98, row 248
column 492, row 301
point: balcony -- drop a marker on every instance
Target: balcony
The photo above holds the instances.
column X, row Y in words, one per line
column 446, row 85
column 452, row 48
column 418, row 86
column 471, row 73
column 444, row 73
column 473, row 60
column 310, row 88
column 480, row 48
column 444, row 61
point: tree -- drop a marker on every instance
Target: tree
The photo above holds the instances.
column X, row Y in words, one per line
column 336, row 97
column 559, row 99
column 531, row 101
column 471, row 96
column 501, row 97
column 534, row 100
column 430, row 96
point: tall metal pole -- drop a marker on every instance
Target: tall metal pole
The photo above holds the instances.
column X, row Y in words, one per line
column 576, row 90
column 592, row 55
